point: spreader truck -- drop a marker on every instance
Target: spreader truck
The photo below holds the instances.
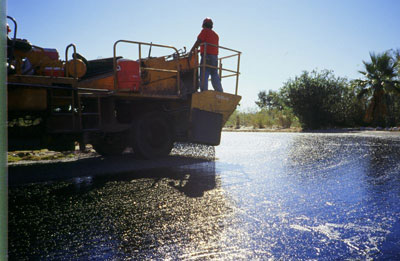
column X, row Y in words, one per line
column 146, row 103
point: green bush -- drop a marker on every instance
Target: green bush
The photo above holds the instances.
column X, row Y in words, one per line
column 264, row 118
column 320, row 99
column 316, row 98
column 285, row 118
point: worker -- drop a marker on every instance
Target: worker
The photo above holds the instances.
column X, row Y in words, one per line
column 208, row 36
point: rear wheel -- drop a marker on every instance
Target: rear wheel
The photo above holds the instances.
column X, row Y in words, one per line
column 111, row 144
column 152, row 135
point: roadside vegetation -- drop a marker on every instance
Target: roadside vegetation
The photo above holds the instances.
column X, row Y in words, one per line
column 319, row 99
column 263, row 119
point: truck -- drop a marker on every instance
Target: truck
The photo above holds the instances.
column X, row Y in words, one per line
column 147, row 103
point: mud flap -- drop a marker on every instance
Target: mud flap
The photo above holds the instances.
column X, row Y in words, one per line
column 206, row 127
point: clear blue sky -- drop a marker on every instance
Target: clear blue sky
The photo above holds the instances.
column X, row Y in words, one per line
column 278, row 39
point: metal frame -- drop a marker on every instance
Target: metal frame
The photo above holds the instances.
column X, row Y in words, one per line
column 177, row 71
column 220, row 68
column 15, row 33
column 66, row 61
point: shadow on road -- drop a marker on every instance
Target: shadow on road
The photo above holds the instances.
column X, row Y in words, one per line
column 110, row 167
column 122, row 206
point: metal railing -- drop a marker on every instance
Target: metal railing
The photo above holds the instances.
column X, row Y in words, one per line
column 219, row 67
column 15, row 35
column 74, row 59
column 177, row 71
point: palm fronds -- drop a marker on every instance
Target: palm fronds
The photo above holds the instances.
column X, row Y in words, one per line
column 381, row 76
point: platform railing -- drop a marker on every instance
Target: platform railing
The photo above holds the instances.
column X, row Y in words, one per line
column 15, row 34
column 74, row 59
column 220, row 66
column 177, row 71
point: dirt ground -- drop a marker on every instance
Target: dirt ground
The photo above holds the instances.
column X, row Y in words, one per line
column 45, row 155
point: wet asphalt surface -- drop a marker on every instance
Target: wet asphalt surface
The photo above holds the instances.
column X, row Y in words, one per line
column 257, row 196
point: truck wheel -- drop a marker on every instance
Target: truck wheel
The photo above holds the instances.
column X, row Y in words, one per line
column 152, row 136
column 110, row 144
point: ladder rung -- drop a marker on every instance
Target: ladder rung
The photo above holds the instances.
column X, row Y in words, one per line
column 64, row 131
column 88, row 95
column 96, row 129
column 90, row 113
column 63, row 97
column 63, row 114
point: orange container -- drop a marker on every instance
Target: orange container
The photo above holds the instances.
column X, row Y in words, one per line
column 128, row 75
column 51, row 53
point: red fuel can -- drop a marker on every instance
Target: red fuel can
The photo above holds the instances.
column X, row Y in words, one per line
column 128, row 75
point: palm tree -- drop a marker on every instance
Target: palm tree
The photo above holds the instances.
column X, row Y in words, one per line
column 380, row 79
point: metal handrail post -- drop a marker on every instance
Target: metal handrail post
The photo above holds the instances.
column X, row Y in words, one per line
column 195, row 70
column 178, row 74
column 115, row 65
column 204, row 66
column 220, row 68
column 178, row 77
column 237, row 76
column 15, row 35
column 140, row 65
column 66, row 61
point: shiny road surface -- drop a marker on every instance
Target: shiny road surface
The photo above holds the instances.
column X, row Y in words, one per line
column 283, row 196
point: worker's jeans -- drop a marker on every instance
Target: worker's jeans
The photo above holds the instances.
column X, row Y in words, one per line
column 215, row 80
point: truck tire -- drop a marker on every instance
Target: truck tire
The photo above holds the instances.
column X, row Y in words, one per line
column 111, row 144
column 152, row 136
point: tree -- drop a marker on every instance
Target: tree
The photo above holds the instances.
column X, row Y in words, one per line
column 380, row 79
column 397, row 64
column 272, row 100
column 316, row 98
